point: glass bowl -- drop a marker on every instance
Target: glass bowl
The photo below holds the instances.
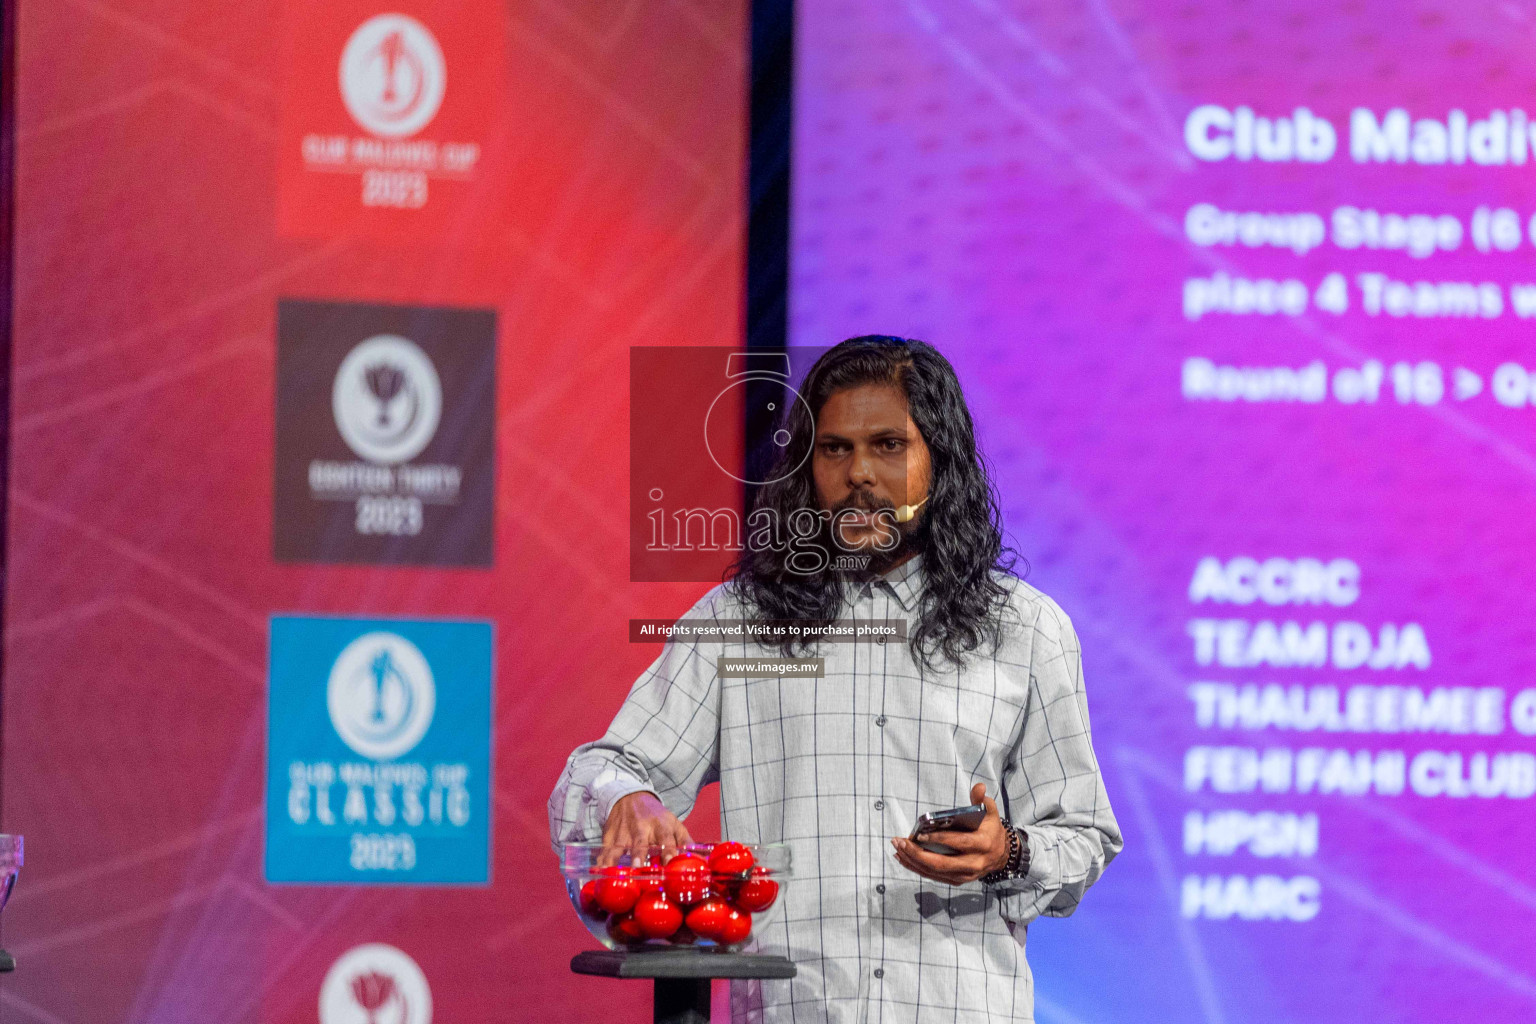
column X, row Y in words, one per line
column 705, row 896
column 10, row 865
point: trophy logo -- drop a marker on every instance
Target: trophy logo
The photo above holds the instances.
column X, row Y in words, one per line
column 387, row 399
column 393, row 76
column 375, row 984
column 373, row 992
column 381, row 695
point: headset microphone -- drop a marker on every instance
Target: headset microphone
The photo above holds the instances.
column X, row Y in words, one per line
column 906, row 512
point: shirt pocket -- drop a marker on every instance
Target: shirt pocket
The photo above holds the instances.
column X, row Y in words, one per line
column 770, row 716
column 938, row 721
column 982, row 720
column 941, row 702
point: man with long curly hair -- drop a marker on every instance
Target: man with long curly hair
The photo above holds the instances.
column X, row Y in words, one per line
column 881, row 510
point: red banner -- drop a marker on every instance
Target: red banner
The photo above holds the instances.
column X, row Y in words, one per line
column 388, row 116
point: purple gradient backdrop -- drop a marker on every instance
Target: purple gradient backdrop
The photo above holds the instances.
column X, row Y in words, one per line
column 1009, row 181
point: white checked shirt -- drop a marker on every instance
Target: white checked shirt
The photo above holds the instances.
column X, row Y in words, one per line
column 836, row 766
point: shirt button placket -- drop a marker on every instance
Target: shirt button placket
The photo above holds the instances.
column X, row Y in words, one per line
column 868, row 772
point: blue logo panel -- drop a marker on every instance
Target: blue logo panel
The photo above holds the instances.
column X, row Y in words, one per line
column 379, row 751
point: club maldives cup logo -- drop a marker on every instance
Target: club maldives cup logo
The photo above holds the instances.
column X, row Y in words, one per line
column 386, row 115
column 381, row 695
column 378, row 751
column 393, row 76
column 375, row 984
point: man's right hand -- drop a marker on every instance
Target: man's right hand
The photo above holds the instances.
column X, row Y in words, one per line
column 640, row 820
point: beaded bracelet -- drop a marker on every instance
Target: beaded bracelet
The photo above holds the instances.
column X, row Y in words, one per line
column 1018, row 857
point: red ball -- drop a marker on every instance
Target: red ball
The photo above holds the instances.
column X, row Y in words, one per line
column 706, row 919
column 616, row 890
column 687, row 880
column 757, row 893
column 625, row 930
column 735, row 928
column 730, row 860
column 657, row 916
column 588, row 900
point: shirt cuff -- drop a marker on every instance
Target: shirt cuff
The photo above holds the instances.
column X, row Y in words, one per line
column 1035, row 876
column 608, row 793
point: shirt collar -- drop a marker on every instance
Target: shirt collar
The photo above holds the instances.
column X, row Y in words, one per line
column 905, row 582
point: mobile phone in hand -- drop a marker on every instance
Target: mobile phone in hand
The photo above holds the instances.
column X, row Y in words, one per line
column 956, row 819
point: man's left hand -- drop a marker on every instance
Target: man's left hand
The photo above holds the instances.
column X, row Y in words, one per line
column 981, row 852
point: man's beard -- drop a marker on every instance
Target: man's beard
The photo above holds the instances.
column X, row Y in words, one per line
column 879, row 561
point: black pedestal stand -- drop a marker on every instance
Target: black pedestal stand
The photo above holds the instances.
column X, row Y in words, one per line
column 682, row 976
